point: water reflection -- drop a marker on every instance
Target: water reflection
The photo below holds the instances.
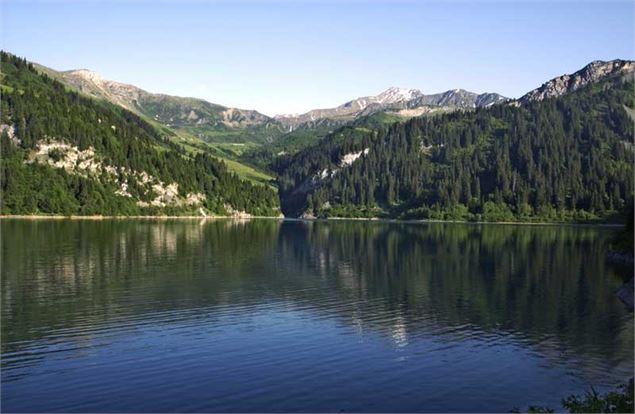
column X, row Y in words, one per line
column 446, row 290
column 535, row 281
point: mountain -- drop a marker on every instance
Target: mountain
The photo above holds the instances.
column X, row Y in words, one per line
column 193, row 123
column 593, row 72
column 73, row 143
column 561, row 159
column 406, row 102
column 224, row 129
column 202, row 119
column 66, row 153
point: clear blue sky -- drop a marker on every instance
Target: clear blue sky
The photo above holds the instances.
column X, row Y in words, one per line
column 284, row 56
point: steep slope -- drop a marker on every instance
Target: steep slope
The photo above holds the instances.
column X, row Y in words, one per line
column 394, row 100
column 593, row 72
column 205, row 120
column 565, row 158
column 220, row 140
column 64, row 153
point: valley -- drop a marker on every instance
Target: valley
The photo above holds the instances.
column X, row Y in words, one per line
column 317, row 206
column 563, row 152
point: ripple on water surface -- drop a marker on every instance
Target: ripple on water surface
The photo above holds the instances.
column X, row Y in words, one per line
column 291, row 316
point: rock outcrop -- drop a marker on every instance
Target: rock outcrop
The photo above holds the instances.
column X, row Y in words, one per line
column 86, row 163
column 593, row 72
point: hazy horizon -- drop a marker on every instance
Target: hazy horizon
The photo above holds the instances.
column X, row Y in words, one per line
column 287, row 57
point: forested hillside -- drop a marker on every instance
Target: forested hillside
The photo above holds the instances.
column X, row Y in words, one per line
column 271, row 157
column 64, row 153
column 564, row 158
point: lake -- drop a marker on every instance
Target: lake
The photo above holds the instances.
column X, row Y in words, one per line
column 271, row 316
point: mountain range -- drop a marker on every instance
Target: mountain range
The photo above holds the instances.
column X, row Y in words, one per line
column 310, row 157
column 400, row 101
column 203, row 119
column 561, row 152
column 215, row 122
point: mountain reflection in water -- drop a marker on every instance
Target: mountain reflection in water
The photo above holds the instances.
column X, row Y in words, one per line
column 263, row 315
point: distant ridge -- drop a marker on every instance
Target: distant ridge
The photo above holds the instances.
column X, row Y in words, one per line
column 393, row 99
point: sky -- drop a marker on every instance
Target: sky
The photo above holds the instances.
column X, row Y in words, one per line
column 292, row 56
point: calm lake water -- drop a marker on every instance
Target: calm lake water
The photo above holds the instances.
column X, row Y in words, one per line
column 178, row 315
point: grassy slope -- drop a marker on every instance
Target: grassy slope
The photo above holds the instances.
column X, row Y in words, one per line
column 221, row 151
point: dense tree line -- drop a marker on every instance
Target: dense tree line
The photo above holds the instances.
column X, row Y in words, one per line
column 568, row 158
column 39, row 107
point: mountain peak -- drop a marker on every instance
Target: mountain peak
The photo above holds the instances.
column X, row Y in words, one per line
column 592, row 72
column 395, row 94
column 394, row 99
column 86, row 74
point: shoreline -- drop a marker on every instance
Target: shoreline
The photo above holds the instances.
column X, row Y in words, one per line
column 371, row 219
column 97, row 217
column 524, row 223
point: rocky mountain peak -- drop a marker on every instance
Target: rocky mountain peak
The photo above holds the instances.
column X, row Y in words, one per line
column 394, row 94
column 593, row 72
column 397, row 100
